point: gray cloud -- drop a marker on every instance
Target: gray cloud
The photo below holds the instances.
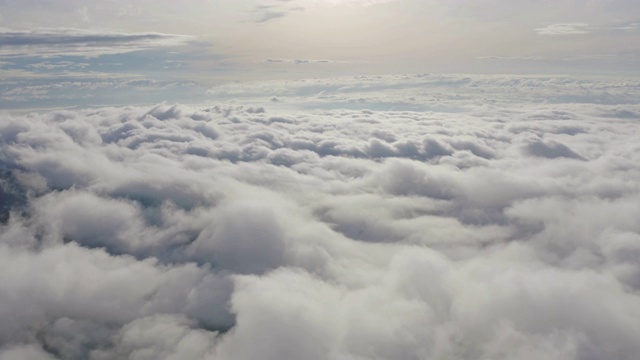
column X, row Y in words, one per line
column 68, row 41
column 270, row 15
column 269, row 10
column 551, row 150
column 617, row 26
column 498, row 221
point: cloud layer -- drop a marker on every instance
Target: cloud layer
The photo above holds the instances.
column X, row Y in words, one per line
column 56, row 67
column 495, row 221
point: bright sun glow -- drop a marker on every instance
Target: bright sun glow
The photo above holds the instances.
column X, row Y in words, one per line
column 348, row 2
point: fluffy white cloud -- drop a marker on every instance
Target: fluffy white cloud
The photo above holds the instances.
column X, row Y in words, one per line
column 403, row 217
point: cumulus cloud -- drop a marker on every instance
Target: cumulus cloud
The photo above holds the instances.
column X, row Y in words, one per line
column 496, row 220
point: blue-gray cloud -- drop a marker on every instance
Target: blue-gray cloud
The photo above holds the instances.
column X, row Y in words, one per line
column 65, row 41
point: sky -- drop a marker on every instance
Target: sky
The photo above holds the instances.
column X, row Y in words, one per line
column 319, row 179
column 52, row 52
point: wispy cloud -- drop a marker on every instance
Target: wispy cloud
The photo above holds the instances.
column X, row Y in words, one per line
column 268, row 15
column 299, row 61
column 564, row 29
column 64, row 65
column 616, row 27
column 77, row 42
column 269, row 10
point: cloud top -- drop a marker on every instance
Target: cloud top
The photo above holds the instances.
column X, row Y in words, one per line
column 499, row 221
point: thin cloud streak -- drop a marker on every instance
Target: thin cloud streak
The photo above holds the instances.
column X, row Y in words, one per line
column 564, row 29
column 78, row 42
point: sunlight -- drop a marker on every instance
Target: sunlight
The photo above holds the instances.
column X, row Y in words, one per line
column 354, row 3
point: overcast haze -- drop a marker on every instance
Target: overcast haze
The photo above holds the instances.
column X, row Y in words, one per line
column 309, row 179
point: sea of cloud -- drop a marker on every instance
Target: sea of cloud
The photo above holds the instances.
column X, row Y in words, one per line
column 413, row 217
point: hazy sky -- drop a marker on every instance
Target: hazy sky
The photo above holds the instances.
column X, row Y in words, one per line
column 164, row 42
